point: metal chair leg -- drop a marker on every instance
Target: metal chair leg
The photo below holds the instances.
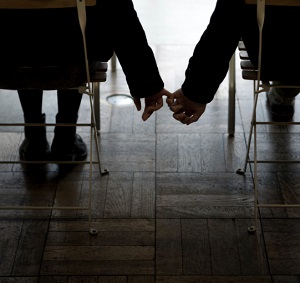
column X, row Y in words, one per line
column 231, row 101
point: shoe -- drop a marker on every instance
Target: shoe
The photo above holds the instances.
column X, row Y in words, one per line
column 34, row 150
column 35, row 146
column 68, row 149
column 281, row 109
column 66, row 144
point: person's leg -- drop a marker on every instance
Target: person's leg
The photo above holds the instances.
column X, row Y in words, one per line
column 281, row 102
column 67, row 145
column 35, row 145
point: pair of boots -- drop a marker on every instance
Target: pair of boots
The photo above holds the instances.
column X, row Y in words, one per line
column 66, row 144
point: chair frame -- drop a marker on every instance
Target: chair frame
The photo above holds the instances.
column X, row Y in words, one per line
column 91, row 87
column 259, row 87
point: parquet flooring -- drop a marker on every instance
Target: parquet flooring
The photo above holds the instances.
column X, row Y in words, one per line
column 172, row 209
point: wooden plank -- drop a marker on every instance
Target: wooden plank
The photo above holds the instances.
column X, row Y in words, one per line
column 9, row 233
column 119, row 195
column 195, row 247
column 83, row 279
column 235, row 151
column 140, row 279
column 128, row 151
column 99, row 267
column 105, row 225
column 203, row 184
column 91, row 253
column 68, row 194
column 215, row 160
column 251, row 249
column 41, row 4
column 284, row 266
column 111, row 279
column 194, row 195
column 286, row 279
column 168, row 247
column 104, row 238
column 189, row 153
column 54, row 279
column 282, row 245
column 203, row 200
column 143, row 195
column 99, row 190
column 9, row 143
column 223, row 243
column 29, row 252
column 121, row 119
column 214, row 279
column 24, row 280
column 166, row 160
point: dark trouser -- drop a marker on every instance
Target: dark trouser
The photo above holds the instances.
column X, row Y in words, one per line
column 68, row 102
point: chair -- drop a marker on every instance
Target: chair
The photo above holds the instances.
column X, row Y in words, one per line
column 249, row 72
column 48, row 78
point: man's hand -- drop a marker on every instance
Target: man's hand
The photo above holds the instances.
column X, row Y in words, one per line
column 152, row 103
column 185, row 110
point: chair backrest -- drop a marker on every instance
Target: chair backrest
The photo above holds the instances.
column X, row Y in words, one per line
column 41, row 4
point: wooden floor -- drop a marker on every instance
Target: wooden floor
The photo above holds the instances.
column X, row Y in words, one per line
column 172, row 209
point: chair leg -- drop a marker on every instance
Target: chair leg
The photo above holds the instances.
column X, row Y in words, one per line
column 253, row 132
column 253, row 228
column 102, row 172
column 96, row 88
column 93, row 133
column 92, row 230
column 253, row 123
column 231, row 102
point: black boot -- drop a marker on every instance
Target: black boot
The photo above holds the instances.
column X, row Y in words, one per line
column 66, row 144
column 35, row 146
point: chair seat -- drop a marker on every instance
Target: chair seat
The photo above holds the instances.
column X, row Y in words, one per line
column 50, row 77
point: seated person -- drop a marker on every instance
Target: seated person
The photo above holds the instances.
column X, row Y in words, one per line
column 207, row 68
column 53, row 37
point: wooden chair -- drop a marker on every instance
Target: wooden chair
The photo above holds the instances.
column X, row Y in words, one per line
column 249, row 72
column 95, row 73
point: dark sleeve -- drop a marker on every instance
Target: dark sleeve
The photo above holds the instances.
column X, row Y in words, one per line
column 133, row 51
column 209, row 64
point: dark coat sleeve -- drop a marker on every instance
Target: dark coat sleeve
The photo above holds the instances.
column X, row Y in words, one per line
column 208, row 66
column 231, row 21
column 122, row 32
column 132, row 49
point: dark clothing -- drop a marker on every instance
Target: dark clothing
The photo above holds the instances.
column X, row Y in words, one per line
column 53, row 36
column 231, row 21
